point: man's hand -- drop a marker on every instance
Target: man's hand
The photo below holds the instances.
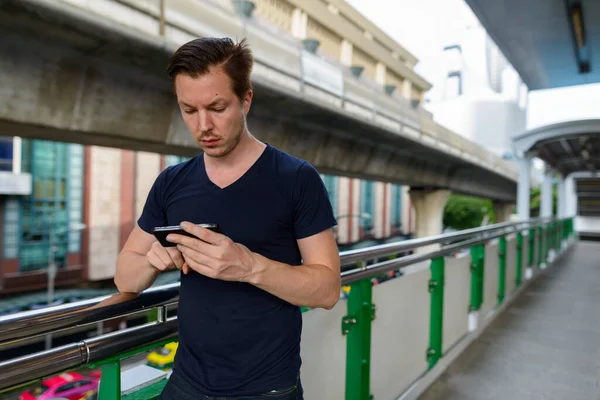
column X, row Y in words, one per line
column 164, row 258
column 214, row 255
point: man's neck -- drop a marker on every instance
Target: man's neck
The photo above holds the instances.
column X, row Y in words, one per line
column 245, row 152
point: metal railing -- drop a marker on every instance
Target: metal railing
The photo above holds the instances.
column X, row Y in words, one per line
column 106, row 350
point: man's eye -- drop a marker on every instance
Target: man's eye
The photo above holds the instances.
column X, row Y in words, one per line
column 189, row 111
column 220, row 109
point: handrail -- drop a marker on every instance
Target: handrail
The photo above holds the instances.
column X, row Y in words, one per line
column 36, row 366
column 25, row 324
column 52, row 319
column 23, row 370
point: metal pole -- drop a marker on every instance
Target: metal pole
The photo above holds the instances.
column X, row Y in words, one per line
column 523, row 190
column 161, row 18
column 51, row 277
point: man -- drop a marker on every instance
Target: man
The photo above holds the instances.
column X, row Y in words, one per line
column 241, row 290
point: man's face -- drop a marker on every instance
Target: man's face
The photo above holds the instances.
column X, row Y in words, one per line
column 214, row 115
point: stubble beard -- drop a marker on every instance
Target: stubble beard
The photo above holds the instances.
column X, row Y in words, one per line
column 232, row 143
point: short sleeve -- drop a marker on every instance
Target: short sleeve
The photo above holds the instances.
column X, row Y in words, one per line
column 313, row 212
column 153, row 213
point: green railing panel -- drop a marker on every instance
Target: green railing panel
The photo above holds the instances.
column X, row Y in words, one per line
column 477, row 267
column 519, row 267
column 501, row 269
column 110, row 383
column 436, row 326
column 150, row 392
column 541, row 242
column 530, row 253
column 357, row 325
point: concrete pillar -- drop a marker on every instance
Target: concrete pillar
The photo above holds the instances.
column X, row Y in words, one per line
column 546, row 200
column 380, row 71
column 429, row 206
column 299, row 23
column 503, row 211
column 524, row 190
column 561, row 209
column 570, row 197
column 346, row 53
column 407, row 89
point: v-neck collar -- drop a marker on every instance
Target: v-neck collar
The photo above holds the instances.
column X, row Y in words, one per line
column 254, row 170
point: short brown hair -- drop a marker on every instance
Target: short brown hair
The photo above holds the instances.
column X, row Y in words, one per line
column 196, row 57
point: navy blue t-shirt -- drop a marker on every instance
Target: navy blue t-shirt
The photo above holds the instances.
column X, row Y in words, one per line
column 236, row 339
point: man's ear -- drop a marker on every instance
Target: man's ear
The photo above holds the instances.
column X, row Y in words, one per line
column 247, row 101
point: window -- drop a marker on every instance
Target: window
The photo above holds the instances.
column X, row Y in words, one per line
column 367, row 192
column 174, row 160
column 66, row 387
column 397, row 205
column 11, row 228
column 331, row 184
column 45, row 211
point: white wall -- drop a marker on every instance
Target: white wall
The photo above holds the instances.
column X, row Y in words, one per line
column 563, row 104
column 490, row 122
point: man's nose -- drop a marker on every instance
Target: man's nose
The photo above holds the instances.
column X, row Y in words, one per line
column 205, row 122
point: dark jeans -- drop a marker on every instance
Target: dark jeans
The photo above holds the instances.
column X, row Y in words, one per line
column 178, row 389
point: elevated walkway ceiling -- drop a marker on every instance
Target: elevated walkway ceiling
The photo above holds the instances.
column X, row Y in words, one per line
column 567, row 147
column 551, row 43
column 94, row 74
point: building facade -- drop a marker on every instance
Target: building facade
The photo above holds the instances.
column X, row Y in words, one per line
column 478, row 93
column 103, row 191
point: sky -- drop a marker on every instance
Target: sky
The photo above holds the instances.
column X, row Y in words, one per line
column 423, row 27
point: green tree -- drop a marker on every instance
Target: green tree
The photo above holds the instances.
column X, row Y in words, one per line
column 536, row 199
column 465, row 212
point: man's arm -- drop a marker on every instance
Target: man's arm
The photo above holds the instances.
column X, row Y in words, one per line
column 315, row 283
column 141, row 260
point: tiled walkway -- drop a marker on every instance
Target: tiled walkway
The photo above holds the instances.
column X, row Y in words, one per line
column 546, row 345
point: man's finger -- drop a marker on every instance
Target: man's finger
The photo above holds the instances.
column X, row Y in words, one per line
column 200, row 268
column 185, row 268
column 176, row 257
column 156, row 262
column 190, row 254
column 197, row 244
column 202, row 233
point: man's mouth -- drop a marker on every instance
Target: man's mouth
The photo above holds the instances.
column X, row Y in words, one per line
column 209, row 142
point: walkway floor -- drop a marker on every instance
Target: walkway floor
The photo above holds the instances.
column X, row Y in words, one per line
column 545, row 346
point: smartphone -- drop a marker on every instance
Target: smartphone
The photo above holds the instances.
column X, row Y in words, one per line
column 161, row 232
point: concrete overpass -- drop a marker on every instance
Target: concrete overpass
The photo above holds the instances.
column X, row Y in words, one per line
column 93, row 73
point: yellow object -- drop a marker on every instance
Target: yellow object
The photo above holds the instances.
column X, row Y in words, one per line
column 163, row 357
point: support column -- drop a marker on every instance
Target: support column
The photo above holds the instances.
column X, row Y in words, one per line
column 380, row 71
column 346, row 53
column 562, row 198
column 429, row 206
column 503, row 211
column 299, row 23
column 546, row 200
column 523, row 190
column 407, row 89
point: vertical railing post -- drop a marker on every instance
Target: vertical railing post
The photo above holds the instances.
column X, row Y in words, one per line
column 357, row 325
column 436, row 326
column 541, row 245
column 110, row 384
column 501, row 269
column 531, row 244
column 477, row 267
column 558, row 236
column 519, row 265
